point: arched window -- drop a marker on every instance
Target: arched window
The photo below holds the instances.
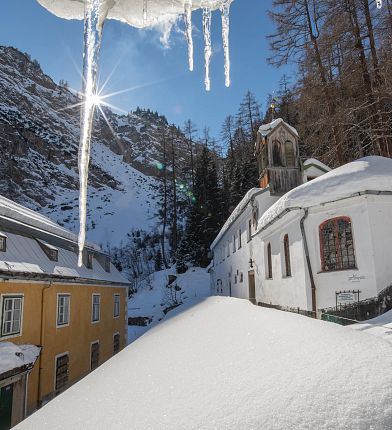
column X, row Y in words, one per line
column 287, row 263
column 276, row 158
column 269, row 262
column 337, row 244
column 289, row 153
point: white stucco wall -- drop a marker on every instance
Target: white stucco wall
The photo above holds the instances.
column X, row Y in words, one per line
column 380, row 221
column 362, row 278
column 284, row 291
column 225, row 268
column 371, row 218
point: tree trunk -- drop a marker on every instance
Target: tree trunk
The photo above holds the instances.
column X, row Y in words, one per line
column 174, row 185
column 164, row 215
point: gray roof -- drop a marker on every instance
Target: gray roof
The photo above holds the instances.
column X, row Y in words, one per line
column 10, row 210
column 28, row 232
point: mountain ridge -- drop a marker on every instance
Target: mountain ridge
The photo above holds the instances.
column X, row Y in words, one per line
column 39, row 134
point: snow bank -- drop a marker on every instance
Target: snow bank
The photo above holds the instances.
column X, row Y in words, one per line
column 13, row 356
column 366, row 174
column 380, row 326
column 226, row 364
column 131, row 12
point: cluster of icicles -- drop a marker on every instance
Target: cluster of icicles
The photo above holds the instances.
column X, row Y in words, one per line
column 95, row 13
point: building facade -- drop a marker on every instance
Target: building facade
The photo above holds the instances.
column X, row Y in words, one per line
column 317, row 248
column 76, row 316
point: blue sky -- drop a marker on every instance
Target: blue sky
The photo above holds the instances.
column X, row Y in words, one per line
column 166, row 84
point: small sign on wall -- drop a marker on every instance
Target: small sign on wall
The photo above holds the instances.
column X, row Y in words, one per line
column 356, row 278
column 347, row 297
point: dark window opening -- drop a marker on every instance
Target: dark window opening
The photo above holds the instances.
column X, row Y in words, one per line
column 116, row 343
column 89, row 263
column 3, row 244
column 289, row 153
column 276, row 156
column 269, row 261
column 62, row 372
column 286, row 245
column 94, row 359
column 107, row 264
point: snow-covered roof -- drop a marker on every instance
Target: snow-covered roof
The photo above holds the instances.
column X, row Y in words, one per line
column 15, row 356
column 366, row 174
column 266, row 129
column 236, row 212
column 24, row 255
column 13, row 211
column 317, row 163
column 224, row 363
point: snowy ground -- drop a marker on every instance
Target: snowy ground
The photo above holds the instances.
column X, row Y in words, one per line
column 380, row 326
column 150, row 300
column 223, row 363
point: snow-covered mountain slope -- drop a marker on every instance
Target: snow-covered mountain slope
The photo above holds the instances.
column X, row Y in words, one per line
column 223, row 363
column 154, row 297
column 39, row 137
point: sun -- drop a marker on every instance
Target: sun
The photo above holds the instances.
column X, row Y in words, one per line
column 96, row 99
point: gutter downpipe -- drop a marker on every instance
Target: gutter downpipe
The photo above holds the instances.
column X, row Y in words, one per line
column 305, row 242
column 39, row 403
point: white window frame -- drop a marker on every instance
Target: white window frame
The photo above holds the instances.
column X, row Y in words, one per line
column 92, row 308
column 99, row 353
column 114, row 305
column 3, row 298
column 65, row 324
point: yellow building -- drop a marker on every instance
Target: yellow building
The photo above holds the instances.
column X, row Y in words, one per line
column 74, row 317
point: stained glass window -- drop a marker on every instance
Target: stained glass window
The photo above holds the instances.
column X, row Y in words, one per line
column 337, row 245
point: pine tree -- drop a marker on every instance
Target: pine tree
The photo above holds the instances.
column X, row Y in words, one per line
column 205, row 215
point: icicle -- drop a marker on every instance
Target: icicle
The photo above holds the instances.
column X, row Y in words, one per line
column 95, row 12
column 144, row 11
column 207, row 45
column 188, row 31
column 225, row 11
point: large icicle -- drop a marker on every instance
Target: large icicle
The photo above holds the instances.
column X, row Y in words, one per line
column 225, row 11
column 207, row 45
column 94, row 16
column 188, row 31
column 144, row 12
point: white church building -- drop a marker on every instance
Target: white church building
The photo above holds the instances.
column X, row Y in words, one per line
column 310, row 238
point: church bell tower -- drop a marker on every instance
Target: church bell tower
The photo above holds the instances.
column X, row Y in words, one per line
column 277, row 154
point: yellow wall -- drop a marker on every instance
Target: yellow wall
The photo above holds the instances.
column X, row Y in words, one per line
column 74, row 339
